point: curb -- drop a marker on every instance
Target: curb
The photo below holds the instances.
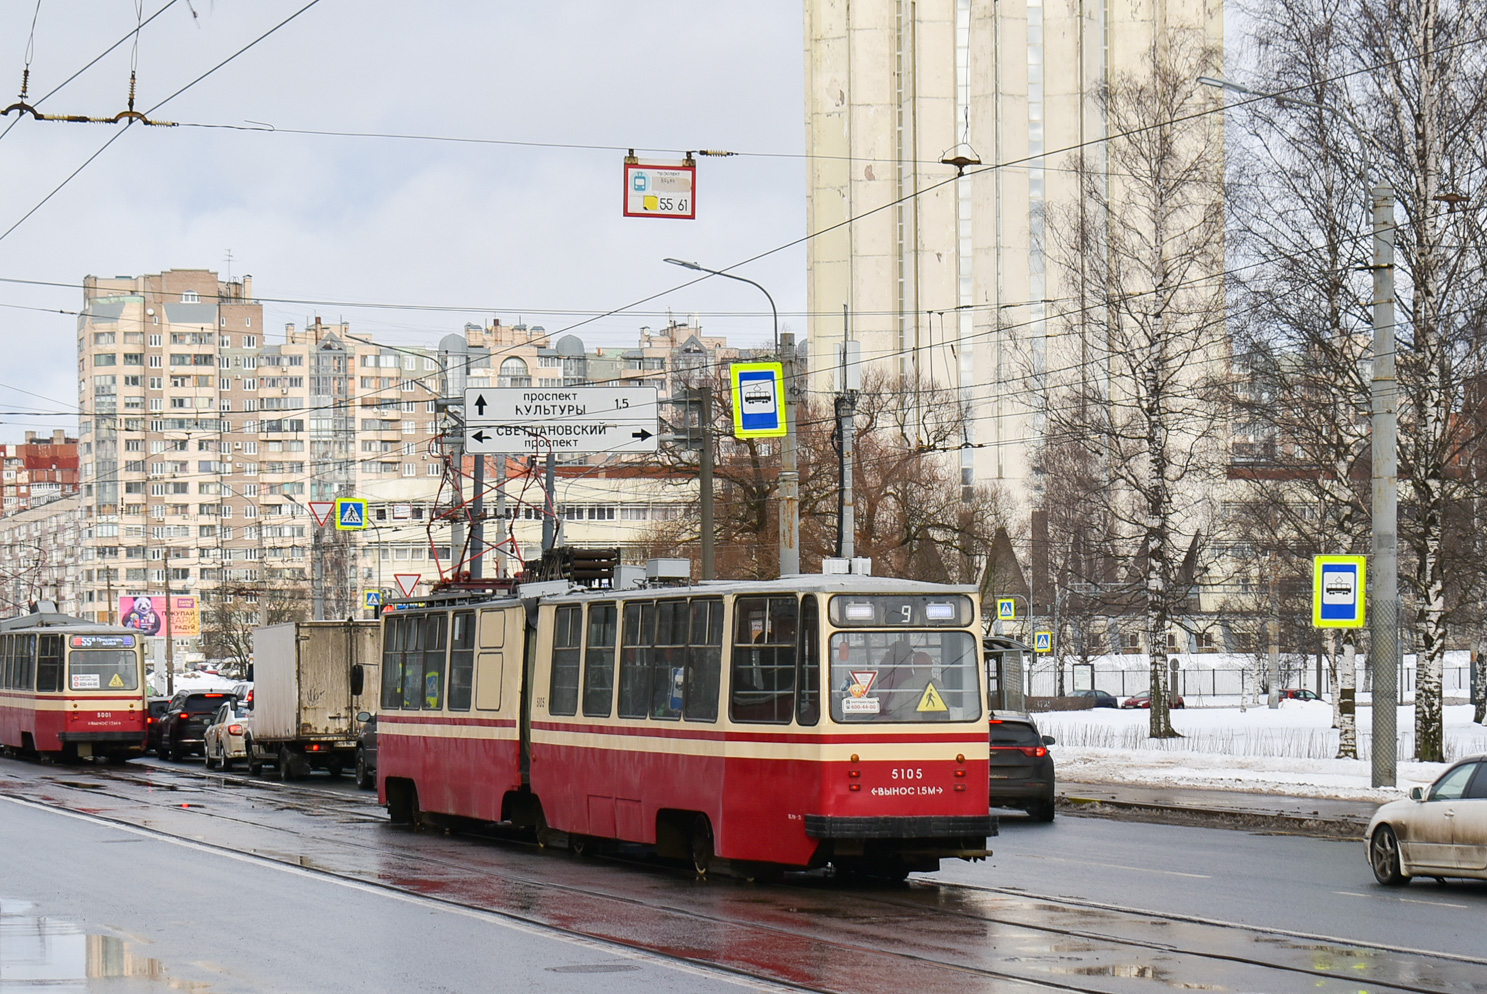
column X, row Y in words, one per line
column 1231, row 818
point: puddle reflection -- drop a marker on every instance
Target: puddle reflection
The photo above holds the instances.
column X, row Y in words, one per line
column 59, row 956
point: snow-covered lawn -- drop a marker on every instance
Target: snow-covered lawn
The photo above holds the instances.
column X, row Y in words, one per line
column 1286, row 751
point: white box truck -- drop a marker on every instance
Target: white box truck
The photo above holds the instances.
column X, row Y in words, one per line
column 310, row 680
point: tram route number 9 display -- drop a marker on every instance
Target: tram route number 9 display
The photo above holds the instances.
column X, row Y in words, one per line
column 921, row 611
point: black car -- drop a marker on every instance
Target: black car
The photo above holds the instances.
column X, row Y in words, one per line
column 366, row 752
column 158, row 707
column 1021, row 768
column 185, row 722
column 1101, row 699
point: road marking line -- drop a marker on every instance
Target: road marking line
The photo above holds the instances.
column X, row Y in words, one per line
column 1433, row 904
column 1120, row 866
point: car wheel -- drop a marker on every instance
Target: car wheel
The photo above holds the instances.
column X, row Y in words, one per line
column 164, row 751
column 206, row 759
column 288, row 764
column 1041, row 811
column 1383, row 855
column 224, row 762
column 364, row 778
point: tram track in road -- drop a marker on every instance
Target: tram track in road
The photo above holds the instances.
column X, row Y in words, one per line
column 858, row 939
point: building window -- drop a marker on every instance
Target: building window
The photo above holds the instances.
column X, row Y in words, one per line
column 190, row 297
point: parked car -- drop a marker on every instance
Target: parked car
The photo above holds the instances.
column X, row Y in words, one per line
column 1101, row 699
column 243, row 691
column 1299, row 694
column 158, row 707
column 185, row 722
column 1440, row 831
column 224, row 741
column 1143, row 700
column 1021, row 767
column 366, row 752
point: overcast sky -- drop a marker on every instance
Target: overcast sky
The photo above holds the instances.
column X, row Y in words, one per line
column 504, row 230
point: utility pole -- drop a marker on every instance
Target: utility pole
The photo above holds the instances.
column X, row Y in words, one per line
column 501, row 508
column 1273, row 700
column 789, row 470
column 550, row 512
column 1383, row 622
column 704, row 395
column 170, row 655
column 453, row 357
column 477, row 519
column 850, row 381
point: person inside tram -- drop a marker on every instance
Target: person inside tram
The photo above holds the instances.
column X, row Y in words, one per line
column 906, row 674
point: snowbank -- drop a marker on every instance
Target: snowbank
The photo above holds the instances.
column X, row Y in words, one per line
column 1286, row 751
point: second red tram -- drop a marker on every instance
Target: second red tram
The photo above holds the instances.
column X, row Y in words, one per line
column 784, row 723
column 71, row 688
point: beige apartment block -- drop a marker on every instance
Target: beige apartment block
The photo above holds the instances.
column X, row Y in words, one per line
column 948, row 276
column 204, row 437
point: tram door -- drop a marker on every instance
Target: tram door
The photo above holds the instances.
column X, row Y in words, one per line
column 1005, row 665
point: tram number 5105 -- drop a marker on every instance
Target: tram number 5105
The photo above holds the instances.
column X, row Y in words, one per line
column 907, row 773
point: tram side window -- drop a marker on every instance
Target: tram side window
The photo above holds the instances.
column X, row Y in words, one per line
column 808, row 705
column 704, row 660
column 598, row 661
column 763, row 673
column 562, row 692
column 669, row 660
column 6, row 649
column 394, row 643
column 434, row 630
column 461, row 660
column 49, row 665
column 638, row 637
column 25, row 664
column 411, row 664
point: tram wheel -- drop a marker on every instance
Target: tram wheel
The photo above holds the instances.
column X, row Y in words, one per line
column 702, row 845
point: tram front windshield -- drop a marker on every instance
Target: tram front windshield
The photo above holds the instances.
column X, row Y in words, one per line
column 905, row 676
column 103, row 669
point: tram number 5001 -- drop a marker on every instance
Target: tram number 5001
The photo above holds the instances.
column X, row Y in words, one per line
column 907, row 773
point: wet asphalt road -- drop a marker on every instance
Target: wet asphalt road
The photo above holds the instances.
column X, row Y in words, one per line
column 231, row 904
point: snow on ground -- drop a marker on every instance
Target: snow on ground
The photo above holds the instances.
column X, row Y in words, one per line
column 1286, row 751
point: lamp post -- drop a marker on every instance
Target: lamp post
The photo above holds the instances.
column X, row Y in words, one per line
column 789, row 469
column 1383, row 621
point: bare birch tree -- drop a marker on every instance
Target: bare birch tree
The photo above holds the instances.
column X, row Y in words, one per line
column 1414, row 75
column 1145, row 252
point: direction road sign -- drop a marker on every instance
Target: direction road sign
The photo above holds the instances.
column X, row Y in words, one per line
column 569, row 419
column 1006, row 609
column 351, row 514
column 1339, row 584
column 321, row 510
column 758, row 399
column 1042, row 641
column 407, row 582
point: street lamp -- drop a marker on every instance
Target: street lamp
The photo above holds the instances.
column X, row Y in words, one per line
column 718, row 272
column 1383, row 624
column 789, row 469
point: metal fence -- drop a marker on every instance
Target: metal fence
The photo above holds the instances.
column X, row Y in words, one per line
column 1198, row 682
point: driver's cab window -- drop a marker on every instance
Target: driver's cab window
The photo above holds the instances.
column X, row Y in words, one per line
column 1453, row 785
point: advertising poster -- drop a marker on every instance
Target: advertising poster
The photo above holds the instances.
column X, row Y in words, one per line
column 146, row 615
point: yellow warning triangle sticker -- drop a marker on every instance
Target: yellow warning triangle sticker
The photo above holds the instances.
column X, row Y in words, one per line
column 117, row 681
column 931, row 701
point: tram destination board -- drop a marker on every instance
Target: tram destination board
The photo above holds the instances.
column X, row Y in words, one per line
column 561, row 419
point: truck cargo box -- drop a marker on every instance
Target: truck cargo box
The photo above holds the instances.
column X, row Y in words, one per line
column 306, row 682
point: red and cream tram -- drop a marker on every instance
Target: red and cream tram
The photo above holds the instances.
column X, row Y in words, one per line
column 71, row 688
column 784, row 723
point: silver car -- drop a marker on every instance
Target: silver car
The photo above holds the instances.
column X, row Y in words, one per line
column 1441, row 831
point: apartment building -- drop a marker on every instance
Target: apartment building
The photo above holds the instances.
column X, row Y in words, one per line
column 204, row 437
column 36, row 471
column 948, row 270
column 38, row 556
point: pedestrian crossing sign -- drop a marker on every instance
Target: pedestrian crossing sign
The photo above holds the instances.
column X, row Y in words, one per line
column 1042, row 641
column 1006, row 609
column 351, row 514
column 371, row 598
